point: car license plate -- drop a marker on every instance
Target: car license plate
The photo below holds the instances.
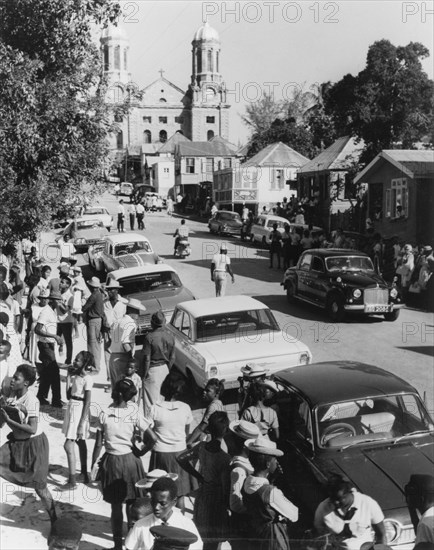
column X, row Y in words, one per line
column 378, row 309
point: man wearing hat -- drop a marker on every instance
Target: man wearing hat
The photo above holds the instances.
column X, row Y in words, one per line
column 65, row 533
column 123, row 336
column 172, row 538
column 159, row 356
column 419, row 493
column 268, row 509
column 164, row 495
column 349, row 516
column 240, row 468
column 250, row 373
column 65, row 319
column 46, row 330
column 93, row 311
column 220, row 266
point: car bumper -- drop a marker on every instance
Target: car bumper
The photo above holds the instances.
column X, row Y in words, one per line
column 373, row 308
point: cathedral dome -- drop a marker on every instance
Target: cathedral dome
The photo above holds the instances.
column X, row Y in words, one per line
column 114, row 32
column 206, row 33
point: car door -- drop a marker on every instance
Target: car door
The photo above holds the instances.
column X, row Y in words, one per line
column 315, row 280
column 303, row 275
column 258, row 228
column 108, row 256
column 182, row 326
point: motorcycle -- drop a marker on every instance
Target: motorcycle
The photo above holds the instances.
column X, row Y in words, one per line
column 183, row 248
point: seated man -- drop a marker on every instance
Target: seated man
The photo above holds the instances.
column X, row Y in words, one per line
column 181, row 232
column 349, row 515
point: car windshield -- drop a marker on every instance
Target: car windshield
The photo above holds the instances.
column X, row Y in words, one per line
column 229, row 216
column 89, row 224
column 92, row 211
column 279, row 223
column 132, row 248
column 386, row 417
column 237, row 323
column 146, row 282
column 349, row 263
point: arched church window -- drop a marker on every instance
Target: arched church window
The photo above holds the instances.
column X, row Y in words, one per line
column 147, row 136
column 106, row 58
column 209, row 135
column 163, row 136
column 125, row 59
column 217, row 61
column 117, row 63
column 120, row 140
column 199, row 60
column 162, row 100
column 210, row 64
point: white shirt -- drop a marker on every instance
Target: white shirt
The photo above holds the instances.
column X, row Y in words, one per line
column 68, row 301
column 240, row 468
column 140, row 209
column 67, row 249
column 121, row 209
column 425, row 527
column 79, row 384
column 123, row 332
column 277, row 501
column 131, row 209
column 368, row 513
column 220, row 262
column 140, row 538
column 48, row 318
column 170, row 419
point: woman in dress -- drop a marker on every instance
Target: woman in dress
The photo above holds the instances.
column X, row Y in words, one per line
column 24, row 458
column 211, row 394
column 171, row 421
column 211, row 504
column 261, row 415
column 119, row 468
column 79, row 384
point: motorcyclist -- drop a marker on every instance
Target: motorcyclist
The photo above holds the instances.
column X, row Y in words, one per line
column 181, row 232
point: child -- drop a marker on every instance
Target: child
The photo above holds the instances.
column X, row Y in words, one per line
column 139, row 509
column 135, row 378
column 211, row 394
column 5, row 368
column 76, row 424
column 261, row 415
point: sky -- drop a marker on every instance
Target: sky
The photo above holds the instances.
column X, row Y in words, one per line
column 269, row 45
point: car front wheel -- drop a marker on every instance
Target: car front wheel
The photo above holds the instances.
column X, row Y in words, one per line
column 335, row 307
column 392, row 315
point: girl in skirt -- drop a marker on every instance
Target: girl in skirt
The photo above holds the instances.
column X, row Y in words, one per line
column 119, row 468
column 76, row 423
column 24, row 458
column 212, row 393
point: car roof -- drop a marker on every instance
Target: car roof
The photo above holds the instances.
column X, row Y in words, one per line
column 226, row 212
column 335, row 381
column 95, row 206
column 327, row 252
column 126, row 238
column 225, row 304
column 273, row 217
column 140, row 270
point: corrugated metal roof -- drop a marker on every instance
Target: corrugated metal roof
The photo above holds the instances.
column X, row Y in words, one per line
column 334, row 157
column 150, row 148
column 218, row 148
column 172, row 142
column 277, row 154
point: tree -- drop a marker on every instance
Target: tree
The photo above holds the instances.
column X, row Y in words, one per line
column 261, row 114
column 53, row 120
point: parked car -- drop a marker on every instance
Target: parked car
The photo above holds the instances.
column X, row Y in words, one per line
column 99, row 212
column 84, row 232
column 263, row 226
column 126, row 188
column 225, row 222
column 215, row 337
column 157, row 287
column 341, row 281
column 357, row 420
column 121, row 251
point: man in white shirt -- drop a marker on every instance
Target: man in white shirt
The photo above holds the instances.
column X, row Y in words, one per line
column 64, row 316
column 420, row 497
column 182, row 232
column 164, row 494
column 121, row 216
column 220, row 266
column 46, row 329
column 140, row 212
column 67, row 250
column 349, row 515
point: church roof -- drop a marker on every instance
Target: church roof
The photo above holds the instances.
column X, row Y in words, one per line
column 206, row 32
column 334, row 157
column 172, row 142
column 218, row 148
column 276, row 154
column 162, row 79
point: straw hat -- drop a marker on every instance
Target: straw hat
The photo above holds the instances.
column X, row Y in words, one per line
column 244, row 429
column 55, row 295
column 263, row 446
column 270, row 384
column 45, row 293
column 135, row 304
column 253, row 370
column 94, row 282
column 113, row 283
column 152, row 476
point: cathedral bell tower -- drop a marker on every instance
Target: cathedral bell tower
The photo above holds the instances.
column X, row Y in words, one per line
column 209, row 111
column 115, row 52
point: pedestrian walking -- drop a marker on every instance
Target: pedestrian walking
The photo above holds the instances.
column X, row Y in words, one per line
column 275, row 245
column 159, row 356
column 169, row 206
column 65, row 319
column 220, row 266
column 132, row 215
column 121, row 216
column 93, row 311
column 46, row 329
column 140, row 213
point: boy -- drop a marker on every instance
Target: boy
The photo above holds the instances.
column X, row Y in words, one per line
column 5, row 374
column 135, row 378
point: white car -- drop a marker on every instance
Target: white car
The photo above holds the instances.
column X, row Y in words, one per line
column 215, row 337
column 99, row 212
column 263, row 226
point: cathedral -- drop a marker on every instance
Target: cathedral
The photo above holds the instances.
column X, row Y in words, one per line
column 199, row 113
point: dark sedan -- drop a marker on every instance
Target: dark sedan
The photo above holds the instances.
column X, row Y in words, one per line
column 357, row 420
column 341, row 281
column 225, row 222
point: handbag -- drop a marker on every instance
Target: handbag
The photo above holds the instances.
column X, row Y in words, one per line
column 139, row 447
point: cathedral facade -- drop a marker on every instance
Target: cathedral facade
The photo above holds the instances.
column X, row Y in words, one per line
column 200, row 112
